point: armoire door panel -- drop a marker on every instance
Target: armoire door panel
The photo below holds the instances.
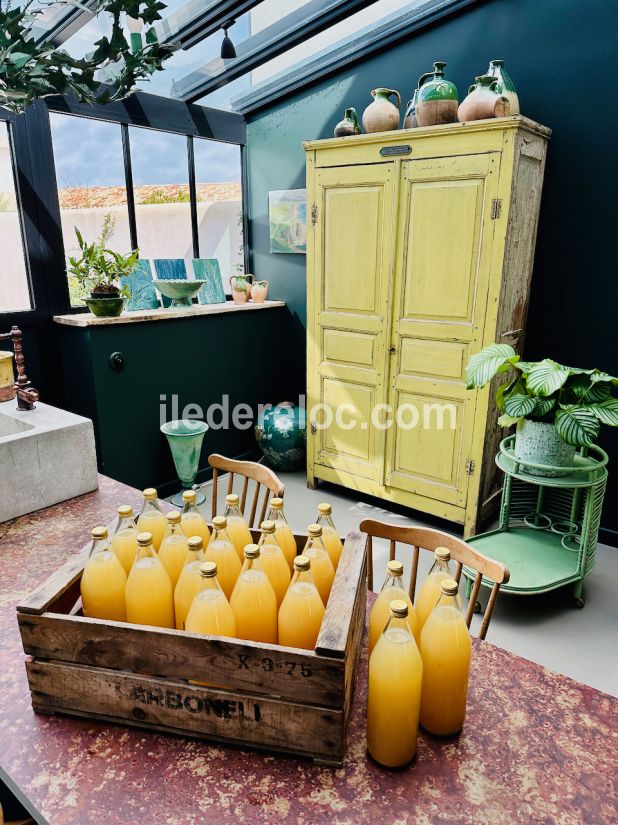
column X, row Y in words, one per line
column 346, row 347
column 348, row 443
column 427, row 357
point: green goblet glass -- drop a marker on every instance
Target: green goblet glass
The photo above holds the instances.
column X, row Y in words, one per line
column 185, row 438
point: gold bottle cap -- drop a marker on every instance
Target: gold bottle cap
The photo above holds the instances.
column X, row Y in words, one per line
column 302, row 563
column 314, row 530
column 325, row 509
column 195, row 543
column 449, row 587
column 252, row 551
column 220, row 522
column 232, row 499
column 209, row 569
column 189, row 496
column 125, row 511
column 399, row 608
column 276, row 503
column 99, row 532
column 173, row 517
column 268, row 526
column 395, row 568
column 442, row 554
column 144, row 539
column 150, row 494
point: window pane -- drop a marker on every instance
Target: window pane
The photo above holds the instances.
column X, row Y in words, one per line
column 91, row 184
column 161, row 185
column 14, row 291
column 219, row 205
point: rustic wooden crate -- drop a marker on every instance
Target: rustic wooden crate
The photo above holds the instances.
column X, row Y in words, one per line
column 267, row 696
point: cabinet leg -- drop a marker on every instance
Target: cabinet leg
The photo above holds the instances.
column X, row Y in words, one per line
column 312, row 482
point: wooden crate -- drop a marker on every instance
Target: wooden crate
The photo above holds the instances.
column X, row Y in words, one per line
column 267, row 696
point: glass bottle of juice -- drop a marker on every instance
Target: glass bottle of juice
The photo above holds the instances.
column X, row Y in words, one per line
column 151, row 519
column 210, row 611
column 302, row 610
column 149, row 594
column 393, row 588
column 221, row 550
column 103, row 581
column 445, row 649
column 254, row 602
column 124, row 540
column 174, row 548
column 237, row 528
column 429, row 592
column 394, row 692
column 189, row 580
column 330, row 536
column 283, row 532
column 193, row 522
column 322, row 568
column 272, row 561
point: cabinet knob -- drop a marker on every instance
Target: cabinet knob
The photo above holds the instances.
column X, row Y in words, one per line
column 116, row 361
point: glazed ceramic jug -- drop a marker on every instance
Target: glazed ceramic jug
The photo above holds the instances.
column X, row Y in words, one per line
column 437, row 98
column 483, row 101
column 505, row 85
column 241, row 288
column 259, row 290
column 410, row 121
column 349, row 124
column 382, row 115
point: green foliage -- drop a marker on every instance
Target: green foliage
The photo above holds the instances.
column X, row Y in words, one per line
column 161, row 196
column 30, row 70
column 576, row 400
column 99, row 267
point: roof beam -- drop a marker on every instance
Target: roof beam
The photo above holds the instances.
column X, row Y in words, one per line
column 312, row 17
column 66, row 26
column 197, row 19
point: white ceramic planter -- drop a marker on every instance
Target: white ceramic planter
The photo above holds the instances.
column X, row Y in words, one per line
column 540, row 443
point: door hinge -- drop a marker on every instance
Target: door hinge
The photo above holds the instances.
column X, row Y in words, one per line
column 496, row 208
column 314, row 427
column 314, row 214
column 469, row 467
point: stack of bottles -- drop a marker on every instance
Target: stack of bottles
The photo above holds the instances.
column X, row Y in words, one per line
column 171, row 571
column 418, row 664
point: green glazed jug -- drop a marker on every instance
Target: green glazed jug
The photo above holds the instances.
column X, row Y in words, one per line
column 505, row 85
column 437, row 98
column 349, row 124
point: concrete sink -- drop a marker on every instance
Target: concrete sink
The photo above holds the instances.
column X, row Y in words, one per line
column 47, row 455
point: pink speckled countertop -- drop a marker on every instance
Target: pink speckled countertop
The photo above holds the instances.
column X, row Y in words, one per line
column 537, row 747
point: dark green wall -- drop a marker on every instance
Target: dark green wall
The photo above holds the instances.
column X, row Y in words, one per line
column 563, row 58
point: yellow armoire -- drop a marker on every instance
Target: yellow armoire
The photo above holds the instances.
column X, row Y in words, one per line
column 420, row 245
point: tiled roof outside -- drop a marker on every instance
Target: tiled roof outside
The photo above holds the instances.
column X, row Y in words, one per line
column 102, row 196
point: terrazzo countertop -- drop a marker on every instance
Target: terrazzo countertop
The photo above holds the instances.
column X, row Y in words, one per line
column 537, row 747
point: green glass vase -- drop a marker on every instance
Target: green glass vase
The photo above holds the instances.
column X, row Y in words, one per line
column 185, row 438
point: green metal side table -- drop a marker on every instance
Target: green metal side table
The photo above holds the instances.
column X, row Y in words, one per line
column 549, row 526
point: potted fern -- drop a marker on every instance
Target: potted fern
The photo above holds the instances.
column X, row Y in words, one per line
column 556, row 409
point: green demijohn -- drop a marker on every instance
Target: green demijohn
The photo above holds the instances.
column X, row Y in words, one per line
column 185, row 438
column 280, row 434
column 437, row 98
column 349, row 125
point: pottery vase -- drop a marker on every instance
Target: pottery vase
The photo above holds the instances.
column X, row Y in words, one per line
column 483, row 101
column 349, row 125
column 437, row 98
column 382, row 115
column 259, row 291
column 505, row 86
column 241, row 289
column 409, row 120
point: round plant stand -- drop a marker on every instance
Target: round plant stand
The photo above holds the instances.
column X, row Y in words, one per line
column 549, row 526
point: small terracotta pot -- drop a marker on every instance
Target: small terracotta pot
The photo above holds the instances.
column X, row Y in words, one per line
column 259, row 290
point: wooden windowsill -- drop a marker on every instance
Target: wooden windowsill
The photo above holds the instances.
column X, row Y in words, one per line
column 86, row 319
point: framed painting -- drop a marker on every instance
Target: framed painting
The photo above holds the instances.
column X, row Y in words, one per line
column 287, row 212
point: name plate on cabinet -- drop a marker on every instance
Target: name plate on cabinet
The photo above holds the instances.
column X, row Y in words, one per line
column 389, row 151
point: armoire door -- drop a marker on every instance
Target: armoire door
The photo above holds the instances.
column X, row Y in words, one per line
column 443, row 270
column 353, row 252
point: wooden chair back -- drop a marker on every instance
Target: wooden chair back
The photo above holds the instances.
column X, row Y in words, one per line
column 267, row 485
column 428, row 539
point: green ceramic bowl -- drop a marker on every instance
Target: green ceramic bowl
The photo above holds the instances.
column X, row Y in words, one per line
column 105, row 307
column 179, row 290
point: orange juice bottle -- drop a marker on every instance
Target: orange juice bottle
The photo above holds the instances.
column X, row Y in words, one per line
column 393, row 588
column 254, row 602
column 272, row 561
column 210, row 611
column 151, row 519
column 394, row 692
column 124, row 540
column 322, row 568
column 237, row 528
column 103, row 581
column 429, row 592
column 189, row 580
column 283, row 533
column 148, row 594
column 174, row 548
column 330, row 536
column 445, row 648
column 302, row 610
column 193, row 522
column 221, row 550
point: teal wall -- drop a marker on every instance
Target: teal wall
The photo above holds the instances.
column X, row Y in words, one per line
column 563, row 58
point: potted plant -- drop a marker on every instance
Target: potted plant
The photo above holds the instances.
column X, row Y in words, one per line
column 100, row 270
column 555, row 408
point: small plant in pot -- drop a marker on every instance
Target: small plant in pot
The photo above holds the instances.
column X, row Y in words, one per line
column 99, row 270
column 556, row 409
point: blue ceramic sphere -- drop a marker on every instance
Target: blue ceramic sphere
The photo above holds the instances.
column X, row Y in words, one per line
column 280, row 433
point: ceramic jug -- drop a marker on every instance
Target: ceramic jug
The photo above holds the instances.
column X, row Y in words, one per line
column 483, row 101
column 382, row 115
column 437, row 98
column 241, row 288
column 505, row 85
column 410, row 121
column 349, row 124
column 259, row 290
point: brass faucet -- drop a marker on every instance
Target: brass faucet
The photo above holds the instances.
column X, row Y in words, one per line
column 25, row 392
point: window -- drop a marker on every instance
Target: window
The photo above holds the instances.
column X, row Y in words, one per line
column 14, row 282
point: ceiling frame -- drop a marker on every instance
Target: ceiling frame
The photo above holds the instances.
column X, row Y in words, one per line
column 197, row 19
